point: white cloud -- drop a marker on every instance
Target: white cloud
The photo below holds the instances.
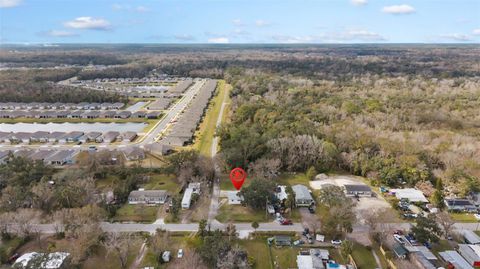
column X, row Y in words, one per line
column 353, row 35
column 262, row 23
column 238, row 22
column 184, row 37
column 218, row 40
column 88, row 23
column 456, row 37
column 142, row 9
column 398, row 9
column 293, row 39
column 60, row 33
column 476, row 31
column 359, row 2
column 9, row 3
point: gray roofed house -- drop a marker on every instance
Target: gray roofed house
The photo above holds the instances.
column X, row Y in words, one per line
column 4, row 156
column 471, row 237
column 357, row 190
column 41, row 155
column 62, row 114
column 399, row 251
column 128, row 136
column 91, row 115
column 117, row 105
column 24, row 153
column 147, row 197
column 154, row 114
column 455, row 259
column 133, row 153
column 5, row 137
column 123, row 115
column 303, row 197
column 460, row 205
column 71, row 137
column 108, row 137
column 89, row 137
column 55, row 136
column 20, row 137
column 158, row 148
column 282, row 240
column 61, row 157
column 40, row 136
column 469, row 254
column 108, row 114
column 75, row 114
column 139, row 114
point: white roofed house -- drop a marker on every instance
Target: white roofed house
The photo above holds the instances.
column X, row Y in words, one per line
column 234, row 198
column 412, row 195
column 303, row 197
column 54, row 260
column 193, row 188
column 147, row 197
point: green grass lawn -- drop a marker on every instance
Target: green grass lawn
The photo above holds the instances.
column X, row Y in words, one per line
column 285, row 257
column 238, row 213
column 363, row 257
column 442, row 245
column 136, row 213
column 162, row 182
column 258, row 249
column 111, row 260
column 206, row 132
column 293, row 179
column 463, row 217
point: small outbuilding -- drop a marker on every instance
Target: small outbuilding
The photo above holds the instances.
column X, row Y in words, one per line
column 303, row 197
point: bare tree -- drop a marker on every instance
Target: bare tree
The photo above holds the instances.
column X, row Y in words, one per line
column 190, row 260
column 445, row 221
column 231, row 231
column 121, row 245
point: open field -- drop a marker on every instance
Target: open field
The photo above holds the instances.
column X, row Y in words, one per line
column 162, row 182
column 238, row 213
column 137, row 213
column 258, row 249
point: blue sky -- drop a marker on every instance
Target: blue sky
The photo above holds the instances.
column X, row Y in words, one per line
column 239, row 21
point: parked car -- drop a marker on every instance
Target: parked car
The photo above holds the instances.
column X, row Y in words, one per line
column 399, row 239
column 180, row 253
column 286, row 222
column 13, row 258
column 336, row 242
column 298, row 242
column 311, row 209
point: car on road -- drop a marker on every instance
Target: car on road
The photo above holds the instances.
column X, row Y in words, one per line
column 298, row 242
column 180, row 253
column 286, row 222
column 336, row 242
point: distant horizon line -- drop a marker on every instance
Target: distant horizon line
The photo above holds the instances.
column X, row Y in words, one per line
column 47, row 44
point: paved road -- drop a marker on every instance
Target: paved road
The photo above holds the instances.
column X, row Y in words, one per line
column 150, row 137
column 213, row 210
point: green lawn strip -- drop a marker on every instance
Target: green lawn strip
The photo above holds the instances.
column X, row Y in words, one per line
column 463, row 217
column 363, row 257
column 138, row 213
column 111, row 260
column 258, row 249
column 293, row 179
column 238, row 213
column 442, row 245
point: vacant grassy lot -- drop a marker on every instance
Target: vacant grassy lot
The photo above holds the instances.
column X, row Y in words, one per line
column 293, row 179
column 258, row 249
column 162, row 182
column 138, row 213
column 206, row 132
column 363, row 257
column 238, row 213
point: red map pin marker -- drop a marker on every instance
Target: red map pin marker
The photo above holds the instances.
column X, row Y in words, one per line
column 237, row 176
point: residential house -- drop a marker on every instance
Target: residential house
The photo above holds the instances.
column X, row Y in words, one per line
column 399, row 251
column 128, row 136
column 234, row 198
column 4, row 156
column 412, row 195
column 460, row 205
column 282, row 240
column 109, row 137
column 471, row 237
column 139, row 114
column 133, row 153
column 193, row 188
column 454, row 259
column 61, row 157
column 303, row 197
column 123, row 115
column 54, row 260
column 147, row 197
column 471, row 253
column 357, row 190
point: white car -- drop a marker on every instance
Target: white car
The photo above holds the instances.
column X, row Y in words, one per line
column 180, row 253
column 336, row 242
column 477, row 216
